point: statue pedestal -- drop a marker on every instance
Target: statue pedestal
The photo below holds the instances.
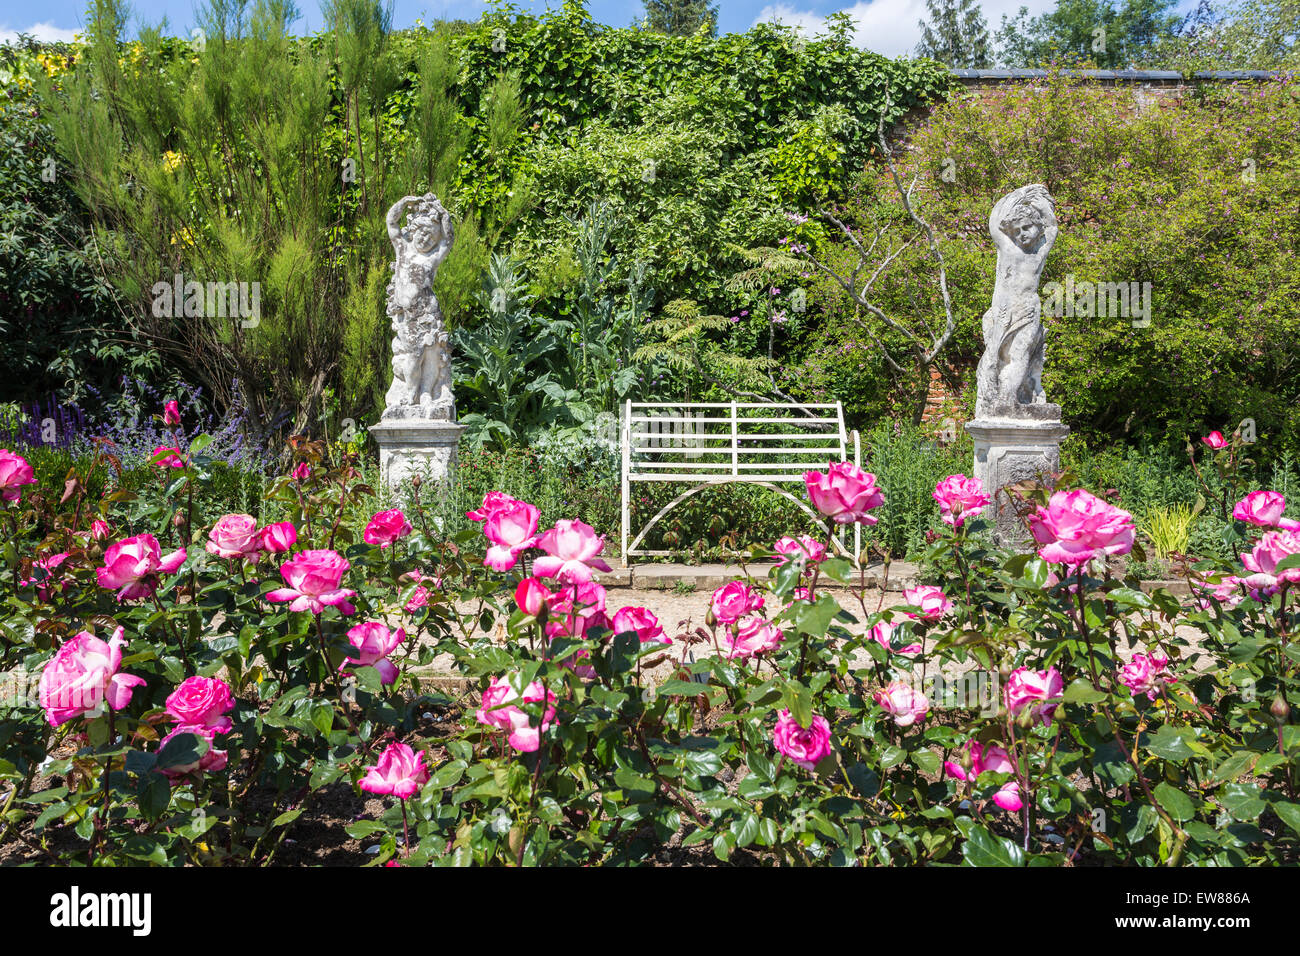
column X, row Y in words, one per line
column 412, row 446
column 1011, row 450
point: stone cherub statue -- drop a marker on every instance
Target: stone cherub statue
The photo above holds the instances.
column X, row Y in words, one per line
column 421, row 233
column 1010, row 374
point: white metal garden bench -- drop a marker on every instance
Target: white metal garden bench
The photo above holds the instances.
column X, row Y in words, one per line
column 715, row 443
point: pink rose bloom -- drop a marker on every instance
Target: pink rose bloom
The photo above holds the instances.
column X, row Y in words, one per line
column 1264, row 509
column 844, row 493
column 420, row 596
column 492, row 501
column 373, row 643
column 571, row 548
column 386, row 527
column 512, row 529
column 279, row 537
column 234, row 536
column 959, row 498
column 532, row 595
column 211, row 760
column 734, row 600
column 1077, row 527
column 993, row 759
column 641, row 621
column 132, row 565
column 801, row 594
column 933, row 603
column 1215, row 440
column 1040, row 690
column 44, row 583
column 1227, row 592
column 812, row 550
column 98, row 531
column 400, row 771
column 171, row 413
column 202, row 702
column 171, row 461
column 314, row 578
column 498, row 710
column 805, row 746
column 907, row 705
column 1264, row 558
column 14, row 472
column 1145, row 673
column 574, row 608
column 82, row 675
column 301, row 471
column 883, row 634
column 750, row 636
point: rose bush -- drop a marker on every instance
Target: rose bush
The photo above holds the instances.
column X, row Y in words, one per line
column 1038, row 708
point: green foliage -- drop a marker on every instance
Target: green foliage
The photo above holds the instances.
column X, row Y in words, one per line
column 956, row 34
column 907, row 466
column 681, row 18
column 1155, row 193
column 1169, row 529
column 1087, row 31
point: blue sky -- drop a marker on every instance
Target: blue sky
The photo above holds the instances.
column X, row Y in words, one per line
column 885, row 26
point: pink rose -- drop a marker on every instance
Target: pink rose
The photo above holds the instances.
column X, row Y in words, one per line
column 211, row 760
column 386, row 527
column 492, row 501
column 202, row 702
column 959, row 498
column 301, row 471
column 45, row 580
column 907, row 705
column 512, row 529
column 420, row 596
column 805, row 546
column 805, row 746
column 83, row 675
column 1215, row 440
column 532, row 595
column 99, row 530
column 373, row 642
column 314, row 578
column 574, row 608
column 14, row 472
column 993, row 759
column 170, row 461
column 1041, row 690
column 1077, row 527
column 499, row 710
column 571, row 549
column 933, row 603
column 234, row 536
column 639, row 620
column 171, row 413
column 883, row 634
column 1145, row 673
column 844, row 493
column 1227, row 592
column 1264, row 557
column 400, row 771
column 752, row 635
column 132, row 565
column 734, row 600
column 279, row 537
column 1264, row 509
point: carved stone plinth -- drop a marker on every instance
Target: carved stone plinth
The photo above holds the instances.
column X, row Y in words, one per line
column 415, row 447
column 1008, row 451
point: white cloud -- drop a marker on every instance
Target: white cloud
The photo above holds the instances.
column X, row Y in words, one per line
column 890, row 26
column 42, row 31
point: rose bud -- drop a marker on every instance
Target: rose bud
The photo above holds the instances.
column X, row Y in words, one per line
column 1280, row 709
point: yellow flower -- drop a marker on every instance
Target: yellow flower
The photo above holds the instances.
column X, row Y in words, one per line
column 171, row 161
column 184, row 237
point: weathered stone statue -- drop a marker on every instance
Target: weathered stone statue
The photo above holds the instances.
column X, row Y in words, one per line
column 417, row 433
column 1017, row 431
column 421, row 364
column 1010, row 374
